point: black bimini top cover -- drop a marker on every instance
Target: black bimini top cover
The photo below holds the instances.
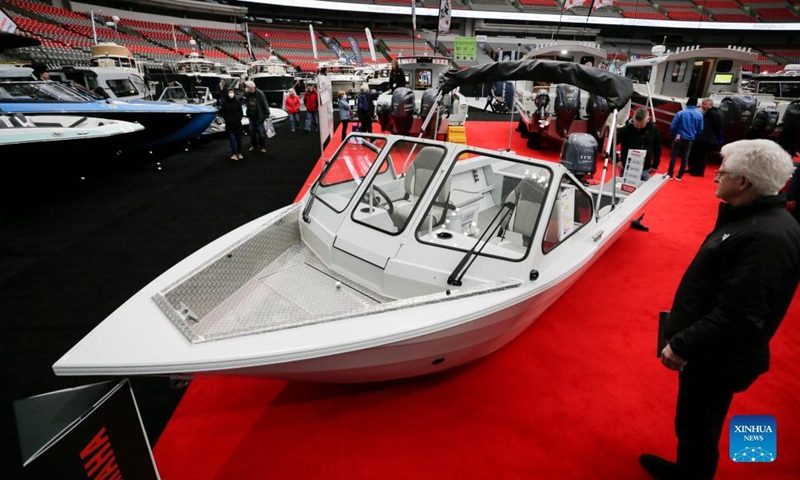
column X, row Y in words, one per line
column 616, row 89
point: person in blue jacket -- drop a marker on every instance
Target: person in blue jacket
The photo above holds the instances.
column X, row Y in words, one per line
column 686, row 127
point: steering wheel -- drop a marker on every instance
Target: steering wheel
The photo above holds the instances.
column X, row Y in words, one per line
column 388, row 201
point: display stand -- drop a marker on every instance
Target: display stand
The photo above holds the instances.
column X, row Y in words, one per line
column 94, row 431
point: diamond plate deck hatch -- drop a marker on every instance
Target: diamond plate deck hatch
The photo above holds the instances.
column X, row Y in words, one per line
column 271, row 281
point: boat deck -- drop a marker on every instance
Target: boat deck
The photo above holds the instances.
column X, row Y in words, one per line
column 271, row 281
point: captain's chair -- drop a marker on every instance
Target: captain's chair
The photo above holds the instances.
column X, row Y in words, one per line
column 527, row 198
column 418, row 176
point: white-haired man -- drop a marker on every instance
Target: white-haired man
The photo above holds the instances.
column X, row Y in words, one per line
column 365, row 108
column 729, row 303
column 257, row 113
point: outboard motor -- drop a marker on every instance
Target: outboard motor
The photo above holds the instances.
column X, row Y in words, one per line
column 764, row 122
column 568, row 102
column 402, row 112
column 427, row 104
column 579, row 154
column 597, row 109
column 384, row 114
column 789, row 137
column 737, row 113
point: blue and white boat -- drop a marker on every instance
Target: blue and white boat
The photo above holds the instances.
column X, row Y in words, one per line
column 165, row 123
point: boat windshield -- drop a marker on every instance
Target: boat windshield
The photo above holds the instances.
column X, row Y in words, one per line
column 345, row 171
column 789, row 88
column 195, row 67
column 38, row 92
column 488, row 204
column 174, row 95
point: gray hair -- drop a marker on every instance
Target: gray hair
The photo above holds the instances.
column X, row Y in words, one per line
column 249, row 84
column 364, row 87
column 640, row 115
column 763, row 162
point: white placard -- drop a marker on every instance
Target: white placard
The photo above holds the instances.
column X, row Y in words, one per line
column 566, row 211
column 325, row 110
column 632, row 177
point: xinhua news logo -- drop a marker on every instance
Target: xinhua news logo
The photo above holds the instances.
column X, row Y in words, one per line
column 753, row 438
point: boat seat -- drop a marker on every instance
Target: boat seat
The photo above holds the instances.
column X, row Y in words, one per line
column 527, row 198
column 462, row 198
column 419, row 175
column 18, row 120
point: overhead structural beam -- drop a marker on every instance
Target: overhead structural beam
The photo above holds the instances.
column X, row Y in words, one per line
column 205, row 7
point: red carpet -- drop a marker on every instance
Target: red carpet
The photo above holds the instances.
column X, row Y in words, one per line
column 579, row 395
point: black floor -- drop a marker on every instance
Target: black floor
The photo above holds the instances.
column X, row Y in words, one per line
column 72, row 250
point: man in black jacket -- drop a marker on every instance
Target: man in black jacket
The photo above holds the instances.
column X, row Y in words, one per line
column 707, row 140
column 640, row 134
column 729, row 303
column 257, row 113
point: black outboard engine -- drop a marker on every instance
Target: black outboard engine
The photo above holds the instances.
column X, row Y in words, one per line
column 402, row 112
column 597, row 109
column 737, row 113
column 568, row 102
column 764, row 122
column 789, row 137
column 427, row 104
column 384, row 113
column 579, row 154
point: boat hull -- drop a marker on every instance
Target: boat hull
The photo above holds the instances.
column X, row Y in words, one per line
column 274, row 87
column 162, row 127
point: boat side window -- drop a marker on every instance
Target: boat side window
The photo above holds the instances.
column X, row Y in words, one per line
column 724, row 66
column 640, row 74
column 572, row 210
column 679, row 71
column 771, row 88
column 122, row 87
column 491, row 203
column 345, row 171
column 390, row 200
column 790, row 89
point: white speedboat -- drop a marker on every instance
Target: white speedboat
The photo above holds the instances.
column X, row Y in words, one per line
column 664, row 82
column 273, row 77
column 27, row 138
column 343, row 76
column 406, row 257
column 113, row 73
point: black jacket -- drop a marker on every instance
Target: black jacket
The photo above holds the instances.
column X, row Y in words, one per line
column 397, row 78
column 737, row 289
column 257, row 106
column 231, row 111
column 712, row 127
column 647, row 138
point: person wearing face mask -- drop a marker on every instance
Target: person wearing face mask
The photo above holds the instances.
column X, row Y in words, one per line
column 640, row 134
column 231, row 111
